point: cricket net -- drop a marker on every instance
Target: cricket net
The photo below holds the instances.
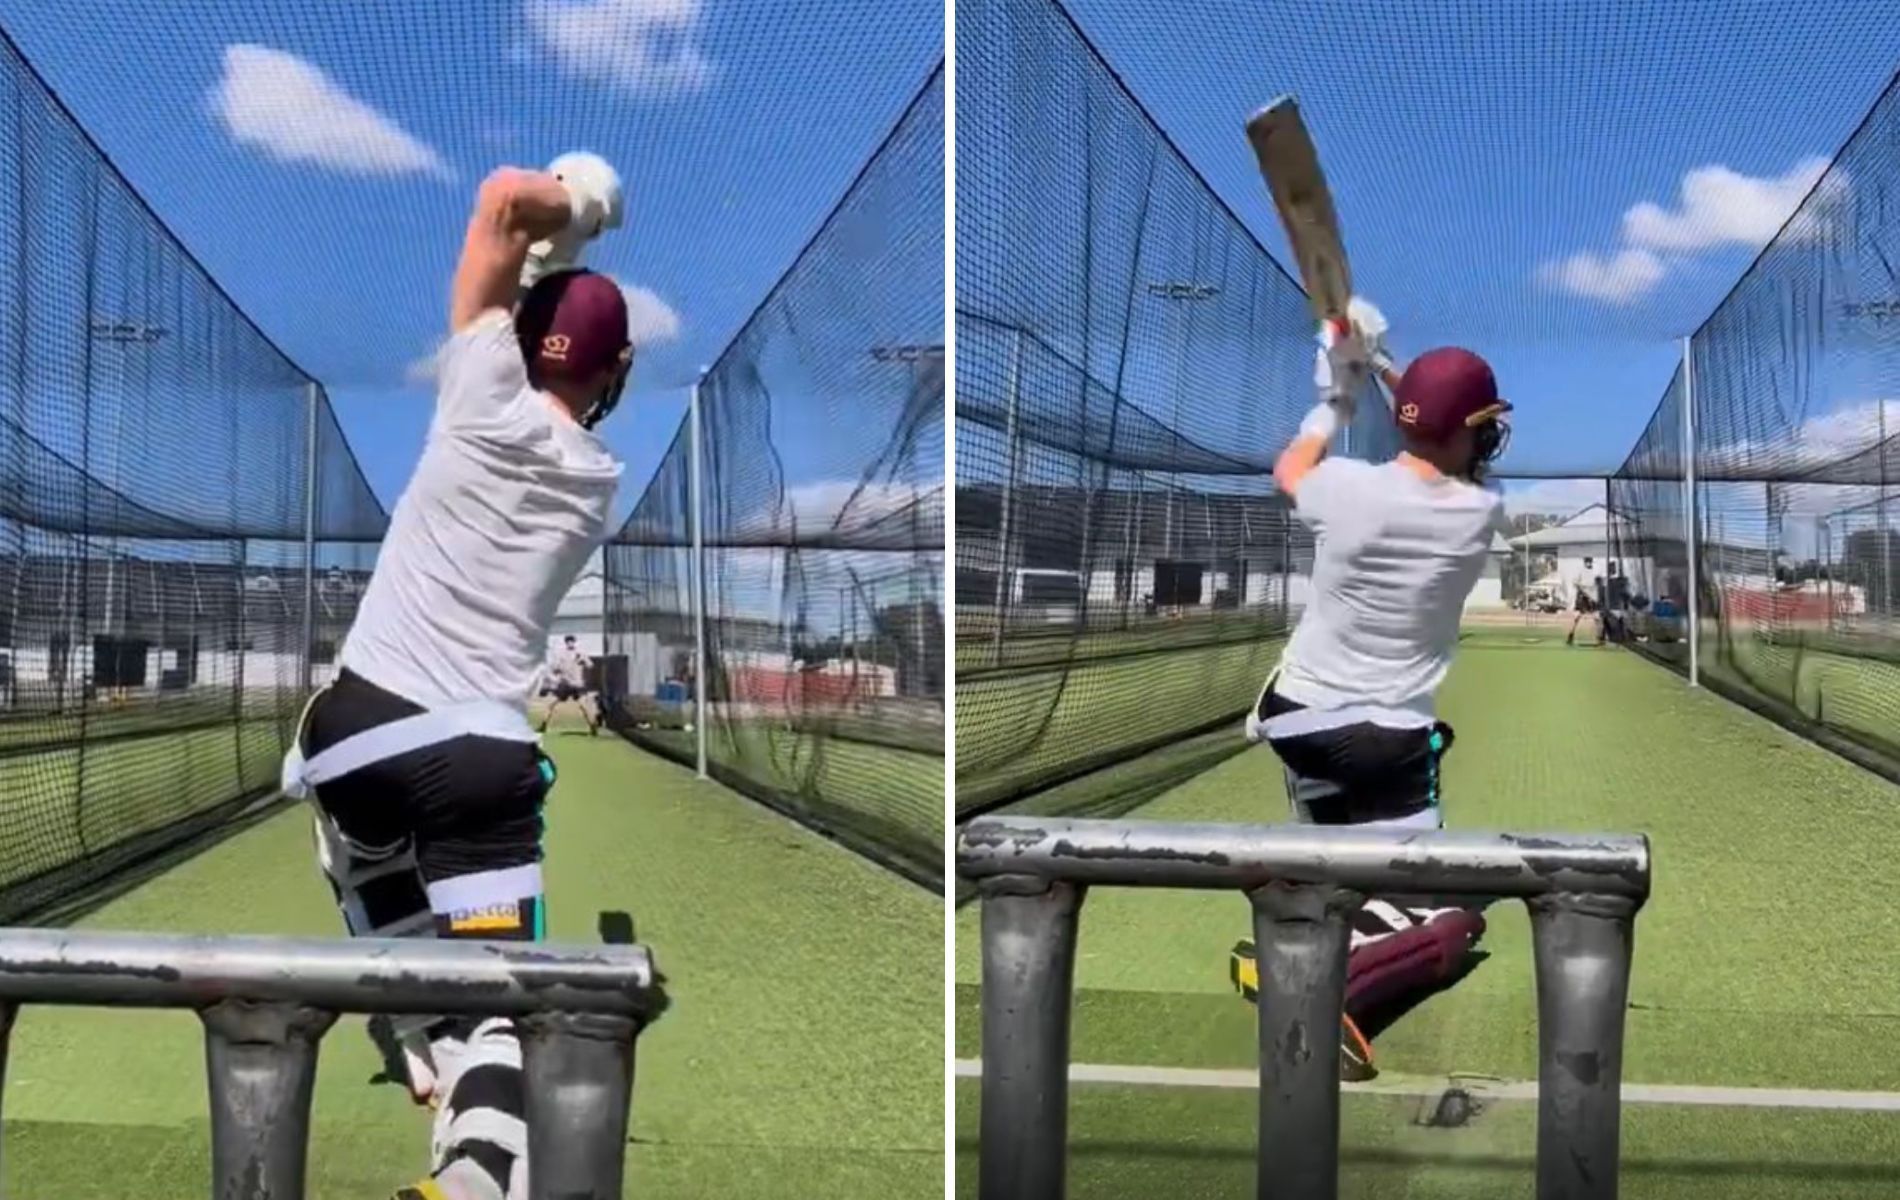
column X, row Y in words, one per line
column 1129, row 357
column 183, row 529
column 818, row 503
column 1785, row 417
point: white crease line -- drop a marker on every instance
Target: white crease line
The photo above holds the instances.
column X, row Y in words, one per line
column 1634, row 1093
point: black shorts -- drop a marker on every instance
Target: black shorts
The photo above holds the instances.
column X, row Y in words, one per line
column 1585, row 603
column 1355, row 774
column 568, row 691
column 470, row 804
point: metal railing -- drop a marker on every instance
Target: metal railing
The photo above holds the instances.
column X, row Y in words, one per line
column 266, row 1003
column 1305, row 883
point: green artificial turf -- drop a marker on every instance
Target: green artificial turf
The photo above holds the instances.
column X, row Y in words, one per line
column 1761, row 960
column 891, row 797
column 1190, row 1144
column 802, row 1055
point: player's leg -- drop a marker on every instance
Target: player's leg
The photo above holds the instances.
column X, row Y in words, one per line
column 365, row 847
column 479, row 845
column 1371, row 776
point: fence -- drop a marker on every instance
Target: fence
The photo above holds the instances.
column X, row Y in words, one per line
column 267, row 1002
column 1128, row 358
column 1775, row 448
column 183, row 529
column 776, row 592
column 1305, row 882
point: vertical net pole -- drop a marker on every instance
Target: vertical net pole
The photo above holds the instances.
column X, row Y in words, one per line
column 1880, row 520
column 312, row 398
column 1006, row 525
column 1689, row 539
column 697, row 474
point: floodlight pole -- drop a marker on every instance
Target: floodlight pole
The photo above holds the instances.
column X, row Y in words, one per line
column 312, row 398
column 697, row 474
column 1694, row 613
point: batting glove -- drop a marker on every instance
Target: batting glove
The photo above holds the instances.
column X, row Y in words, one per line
column 1340, row 367
column 1370, row 325
column 595, row 194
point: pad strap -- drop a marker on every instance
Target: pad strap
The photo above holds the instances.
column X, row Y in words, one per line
column 483, row 718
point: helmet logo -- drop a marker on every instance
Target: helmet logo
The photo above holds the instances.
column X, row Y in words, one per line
column 556, row 346
column 1408, row 413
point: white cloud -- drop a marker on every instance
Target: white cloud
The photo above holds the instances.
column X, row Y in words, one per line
column 291, row 110
column 1820, row 440
column 650, row 320
column 422, row 371
column 818, row 504
column 1552, row 497
column 641, row 46
column 1621, row 278
column 1718, row 206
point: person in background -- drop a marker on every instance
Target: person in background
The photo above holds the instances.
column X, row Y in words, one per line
column 568, row 676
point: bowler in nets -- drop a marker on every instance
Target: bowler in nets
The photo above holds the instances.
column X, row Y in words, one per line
column 1351, row 710
column 427, row 779
column 567, row 676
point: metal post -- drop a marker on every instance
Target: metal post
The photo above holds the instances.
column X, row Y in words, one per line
column 1301, row 933
column 1694, row 612
column 261, row 1060
column 1006, row 524
column 1582, row 945
column 1029, row 929
column 313, row 398
column 697, row 475
column 577, row 1072
column 1886, row 535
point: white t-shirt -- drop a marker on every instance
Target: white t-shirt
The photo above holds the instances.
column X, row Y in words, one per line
column 1583, row 582
column 1395, row 558
column 569, row 667
column 508, row 502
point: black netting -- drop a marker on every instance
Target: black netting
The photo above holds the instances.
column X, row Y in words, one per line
column 1797, row 441
column 822, row 438
column 160, row 540
column 1129, row 359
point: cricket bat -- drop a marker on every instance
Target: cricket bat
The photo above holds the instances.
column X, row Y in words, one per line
column 1289, row 162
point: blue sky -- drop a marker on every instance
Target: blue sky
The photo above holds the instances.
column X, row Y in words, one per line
column 1567, row 186
column 320, row 159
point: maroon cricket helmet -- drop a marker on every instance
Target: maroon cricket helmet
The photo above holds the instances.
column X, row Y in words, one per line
column 572, row 326
column 1446, row 390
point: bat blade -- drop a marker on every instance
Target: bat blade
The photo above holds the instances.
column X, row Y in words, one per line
column 1290, row 164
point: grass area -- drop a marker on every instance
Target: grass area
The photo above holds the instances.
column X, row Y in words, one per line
column 1761, row 959
column 892, row 796
column 1188, row 1143
column 1013, row 730
column 131, row 784
column 802, row 1056
column 1856, row 694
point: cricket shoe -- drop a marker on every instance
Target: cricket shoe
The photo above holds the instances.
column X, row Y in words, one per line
column 1355, row 1050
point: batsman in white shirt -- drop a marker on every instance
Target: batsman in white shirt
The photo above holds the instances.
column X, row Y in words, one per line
column 426, row 776
column 1351, row 711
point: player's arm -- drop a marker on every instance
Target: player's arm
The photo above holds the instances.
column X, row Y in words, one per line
column 1334, row 376
column 513, row 210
